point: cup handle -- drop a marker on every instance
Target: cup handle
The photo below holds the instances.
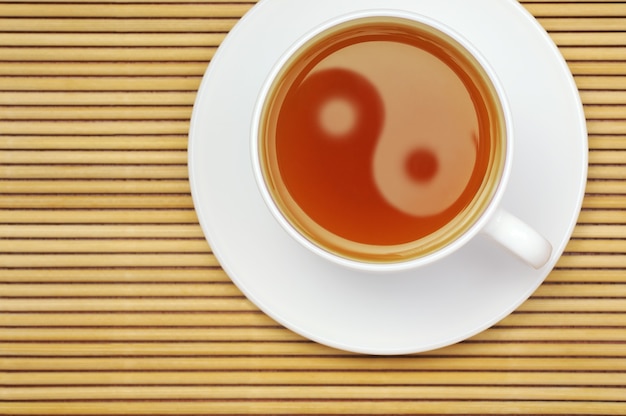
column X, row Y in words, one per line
column 518, row 238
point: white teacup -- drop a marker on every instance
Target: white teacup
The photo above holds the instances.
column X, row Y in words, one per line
column 382, row 141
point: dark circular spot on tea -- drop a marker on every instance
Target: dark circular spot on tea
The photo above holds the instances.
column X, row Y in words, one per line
column 422, row 165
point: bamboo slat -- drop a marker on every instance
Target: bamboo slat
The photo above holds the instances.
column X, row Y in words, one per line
column 579, row 24
column 231, row 406
column 130, row 172
column 144, row 1
column 118, row 290
column 313, row 363
column 98, row 98
column 112, row 24
column 90, row 216
column 253, row 378
column 255, row 318
column 167, row 290
column 99, row 231
column 112, row 302
column 98, row 113
column 92, row 40
column 206, row 10
column 317, row 392
column 107, row 54
column 70, row 275
column 127, row 350
column 586, row 10
column 62, row 157
column 86, row 128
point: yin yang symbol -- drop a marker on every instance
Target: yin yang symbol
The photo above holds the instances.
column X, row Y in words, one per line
column 378, row 138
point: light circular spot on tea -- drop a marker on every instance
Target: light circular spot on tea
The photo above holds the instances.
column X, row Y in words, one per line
column 337, row 117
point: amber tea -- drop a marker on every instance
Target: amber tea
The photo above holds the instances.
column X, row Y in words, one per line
column 381, row 139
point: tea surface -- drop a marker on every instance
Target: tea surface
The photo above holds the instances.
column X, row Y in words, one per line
column 377, row 135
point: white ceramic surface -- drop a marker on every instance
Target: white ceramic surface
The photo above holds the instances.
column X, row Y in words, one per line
column 400, row 312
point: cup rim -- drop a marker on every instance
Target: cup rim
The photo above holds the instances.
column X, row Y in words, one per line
column 406, row 264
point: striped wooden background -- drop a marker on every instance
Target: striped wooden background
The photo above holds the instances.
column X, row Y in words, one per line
column 112, row 303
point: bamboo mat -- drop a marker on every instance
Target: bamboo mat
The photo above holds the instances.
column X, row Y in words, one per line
column 111, row 302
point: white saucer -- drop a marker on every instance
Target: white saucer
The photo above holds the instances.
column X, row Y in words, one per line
column 404, row 312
